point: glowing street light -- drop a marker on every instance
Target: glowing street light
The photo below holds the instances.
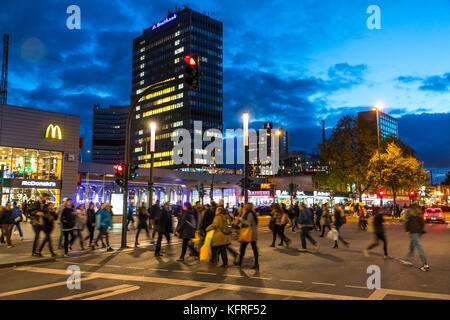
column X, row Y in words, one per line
column 245, row 123
column 152, row 151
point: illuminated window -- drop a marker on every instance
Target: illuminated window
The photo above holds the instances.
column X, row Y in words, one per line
column 180, row 86
column 142, row 66
column 141, row 82
column 138, row 149
column 177, row 33
column 163, row 109
column 177, row 60
column 138, row 108
column 177, row 42
column 143, row 49
column 181, row 76
column 155, row 94
column 138, row 116
column 179, row 50
column 142, row 74
column 142, row 57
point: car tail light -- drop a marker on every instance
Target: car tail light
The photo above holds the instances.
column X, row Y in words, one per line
column 440, row 214
column 426, row 214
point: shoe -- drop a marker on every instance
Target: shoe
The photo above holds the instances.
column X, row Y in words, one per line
column 335, row 247
column 272, row 245
column 255, row 267
column 280, row 244
column 224, row 266
column 366, row 253
column 158, row 255
column 409, row 263
column 9, row 247
column 66, row 255
column 302, row 250
column 21, row 238
column 425, row 268
column 109, row 249
column 321, row 236
column 386, row 257
column 136, row 245
column 83, row 249
column 180, row 260
column 92, row 247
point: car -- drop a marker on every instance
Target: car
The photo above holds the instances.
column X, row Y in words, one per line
column 264, row 210
column 434, row 215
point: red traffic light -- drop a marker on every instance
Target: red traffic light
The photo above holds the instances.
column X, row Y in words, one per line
column 119, row 168
column 412, row 193
column 190, row 61
column 380, row 193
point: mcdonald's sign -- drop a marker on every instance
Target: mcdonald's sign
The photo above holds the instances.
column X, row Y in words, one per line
column 53, row 132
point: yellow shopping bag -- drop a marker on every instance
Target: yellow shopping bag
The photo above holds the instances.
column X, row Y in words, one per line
column 208, row 238
column 205, row 253
column 197, row 237
column 245, row 235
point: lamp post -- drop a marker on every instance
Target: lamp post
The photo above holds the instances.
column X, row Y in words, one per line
column 245, row 123
column 277, row 133
column 152, row 151
column 379, row 106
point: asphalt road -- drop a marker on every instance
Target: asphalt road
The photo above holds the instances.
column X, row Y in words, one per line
column 284, row 273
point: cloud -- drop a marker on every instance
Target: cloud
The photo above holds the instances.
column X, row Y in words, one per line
column 436, row 83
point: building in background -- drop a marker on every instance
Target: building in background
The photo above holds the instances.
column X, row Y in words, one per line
column 299, row 162
column 108, row 137
column 38, row 153
column 158, row 58
column 388, row 125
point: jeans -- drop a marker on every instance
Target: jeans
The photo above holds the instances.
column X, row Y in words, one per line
column 37, row 231
column 305, row 235
column 187, row 243
column 91, row 230
column 6, row 232
column 66, row 240
column 323, row 229
column 414, row 243
column 244, row 247
column 223, row 253
column 19, row 228
column 61, row 235
column 293, row 223
column 378, row 237
column 102, row 232
column 79, row 236
column 47, row 239
column 158, row 242
column 279, row 229
column 317, row 225
column 140, row 227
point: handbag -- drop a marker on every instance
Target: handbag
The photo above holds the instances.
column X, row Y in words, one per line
column 208, row 238
column 205, row 253
column 333, row 234
column 272, row 225
column 245, row 234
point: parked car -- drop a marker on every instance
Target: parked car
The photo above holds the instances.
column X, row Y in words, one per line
column 434, row 215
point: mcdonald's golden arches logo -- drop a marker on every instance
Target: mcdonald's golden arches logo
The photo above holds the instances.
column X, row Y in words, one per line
column 53, row 132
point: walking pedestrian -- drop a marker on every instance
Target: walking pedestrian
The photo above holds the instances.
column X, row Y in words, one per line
column 154, row 211
column 68, row 219
column 317, row 215
column 415, row 227
column 143, row 216
column 36, row 211
column 49, row 218
column 7, row 224
column 80, row 224
column 292, row 218
column 250, row 220
column 186, row 230
column 306, row 221
column 103, row 223
column 279, row 220
column 378, row 221
column 163, row 223
column 339, row 219
column 59, row 213
column 326, row 219
column 130, row 216
column 362, row 221
column 222, row 226
column 90, row 223
column 17, row 215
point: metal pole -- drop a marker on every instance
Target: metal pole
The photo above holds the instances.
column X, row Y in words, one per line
column 150, row 181
column 379, row 153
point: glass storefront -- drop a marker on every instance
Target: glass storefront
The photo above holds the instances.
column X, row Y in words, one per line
column 27, row 173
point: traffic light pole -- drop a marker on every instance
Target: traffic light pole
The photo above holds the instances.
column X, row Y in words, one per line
column 246, row 174
column 150, row 182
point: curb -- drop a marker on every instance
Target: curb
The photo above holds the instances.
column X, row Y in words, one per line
column 26, row 262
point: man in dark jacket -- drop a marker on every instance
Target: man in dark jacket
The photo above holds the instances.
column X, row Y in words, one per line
column 207, row 219
column 68, row 224
column 49, row 218
column 306, row 224
column 37, row 212
column 415, row 226
column 379, row 233
column 163, row 224
column 154, row 211
column 318, row 216
column 186, row 230
column 143, row 216
column 7, row 224
column 339, row 215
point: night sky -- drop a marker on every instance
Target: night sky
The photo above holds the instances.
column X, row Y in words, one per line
column 293, row 63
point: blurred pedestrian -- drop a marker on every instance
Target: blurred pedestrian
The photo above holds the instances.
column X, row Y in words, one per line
column 222, row 226
column 339, row 218
column 80, row 224
column 143, row 216
column 7, row 224
column 49, row 219
column 250, row 220
column 306, row 221
column 130, row 216
column 317, row 216
column 378, row 228
column 326, row 219
column 103, row 223
column 186, row 230
column 17, row 215
column 36, row 211
column 68, row 219
column 154, row 211
column 90, row 222
column 279, row 218
column 163, row 224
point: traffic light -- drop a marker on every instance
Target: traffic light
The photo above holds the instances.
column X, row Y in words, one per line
column 150, row 186
column 133, row 172
column 192, row 73
column 380, row 193
column 201, row 190
column 119, row 168
column 254, row 186
column 412, row 195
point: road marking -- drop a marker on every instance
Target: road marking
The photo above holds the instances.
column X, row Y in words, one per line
column 233, row 275
column 192, row 283
column 193, row 294
column 261, row 278
column 294, row 281
column 378, row 294
column 114, row 291
column 324, row 284
column 349, row 286
column 184, row 271
column 138, row 268
column 92, row 264
column 113, row 266
column 156, row 269
column 208, row 273
column 45, row 286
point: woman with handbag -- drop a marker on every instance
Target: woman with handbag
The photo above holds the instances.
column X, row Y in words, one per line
column 279, row 219
column 248, row 234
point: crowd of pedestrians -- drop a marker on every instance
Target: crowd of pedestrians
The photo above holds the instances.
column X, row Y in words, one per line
column 213, row 226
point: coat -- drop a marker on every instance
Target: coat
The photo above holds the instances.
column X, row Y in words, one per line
column 163, row 221
column 306, row 218
column 80, row 220
column 337, row 218
column 68, row 219
column 378, row 223
column 326, row 219
column 33, row 209
column 414, row 221
column 219, row 238
column 249, row 220
column 103, row 219
column 208, row 218
column 186, row 225
column 6, row 216
column 143, row 216
column 90, row 217
column 49, row 220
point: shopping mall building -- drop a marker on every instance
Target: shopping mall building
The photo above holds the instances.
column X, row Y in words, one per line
column 38, row 153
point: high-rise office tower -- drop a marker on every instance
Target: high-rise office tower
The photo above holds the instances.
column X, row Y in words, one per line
column 387, row 125
column 108, row 138
column 158, row 58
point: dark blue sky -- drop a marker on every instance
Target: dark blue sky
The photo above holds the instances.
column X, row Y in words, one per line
column 290, row 62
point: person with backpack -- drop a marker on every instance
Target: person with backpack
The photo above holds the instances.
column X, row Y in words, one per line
column 339, row 221
column 222, row 226
column 306, row 221
column 326, row 219
column 415, row 227
column 378, row 229
column 186, row 230
column 278, row 220
column 249, row 220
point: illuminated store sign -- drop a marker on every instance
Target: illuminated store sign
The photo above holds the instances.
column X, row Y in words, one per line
column 32, row 183
column 159, row 24
column 53, row 132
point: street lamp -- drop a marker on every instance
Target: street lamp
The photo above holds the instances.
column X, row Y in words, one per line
column 152, row 151
column 278, row 134
column 379, row 106
column 245, row 122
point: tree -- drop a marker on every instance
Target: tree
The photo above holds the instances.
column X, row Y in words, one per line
column 398, row 170
column 347, row 154
column 292, row 189
column 447, row 179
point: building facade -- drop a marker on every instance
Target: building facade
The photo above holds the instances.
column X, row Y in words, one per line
column 108, row 138
column 38, row 153
column 387, row 125
column 299, row 162
column 158, row 60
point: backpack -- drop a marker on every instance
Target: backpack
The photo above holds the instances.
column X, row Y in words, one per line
column 226, row 227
